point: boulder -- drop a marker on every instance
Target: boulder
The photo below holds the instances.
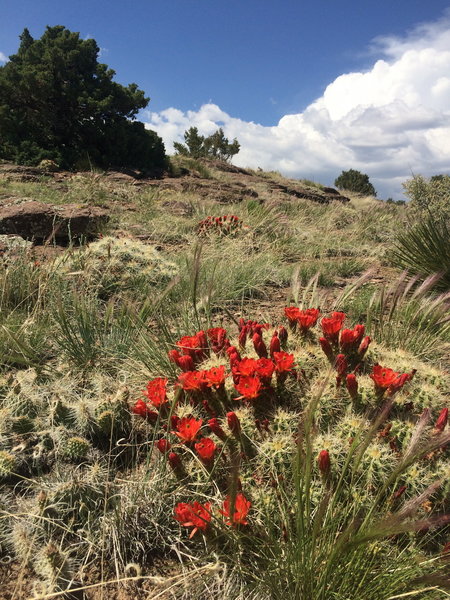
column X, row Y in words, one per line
column 42, row 222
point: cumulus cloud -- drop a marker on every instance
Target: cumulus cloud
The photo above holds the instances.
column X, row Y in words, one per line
column 3, row 57
column 389, row 122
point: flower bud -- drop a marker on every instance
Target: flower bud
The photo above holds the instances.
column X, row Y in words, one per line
column 352, row 385
column 233, row 423
column 323, row 461
column 442, row 420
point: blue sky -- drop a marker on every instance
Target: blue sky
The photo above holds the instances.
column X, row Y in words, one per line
column 308, row 87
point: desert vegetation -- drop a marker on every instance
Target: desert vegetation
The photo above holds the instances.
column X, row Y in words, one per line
column 204, row 402
column 217, row 383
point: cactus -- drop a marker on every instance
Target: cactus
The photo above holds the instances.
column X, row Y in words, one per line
column 22, row 424
column 75, row 449
column 54, row 567
column 24, row 539
column 8, row 464
column 121, row 263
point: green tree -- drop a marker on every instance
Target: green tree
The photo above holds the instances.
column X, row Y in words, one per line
column 58, row 102
column 355, row 181
column 214, row 146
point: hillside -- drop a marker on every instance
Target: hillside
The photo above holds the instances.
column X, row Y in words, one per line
column 139, row 312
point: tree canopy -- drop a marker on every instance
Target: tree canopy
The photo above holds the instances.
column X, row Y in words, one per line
column 355, row 181
column 213, row 146
column 58, row 102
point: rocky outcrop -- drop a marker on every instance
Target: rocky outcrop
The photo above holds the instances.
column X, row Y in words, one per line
column 42, row 222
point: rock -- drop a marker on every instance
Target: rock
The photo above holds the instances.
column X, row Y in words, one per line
column 43, row 222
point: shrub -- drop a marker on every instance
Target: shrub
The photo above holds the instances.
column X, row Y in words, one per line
column 429, row 196
column 355, row 181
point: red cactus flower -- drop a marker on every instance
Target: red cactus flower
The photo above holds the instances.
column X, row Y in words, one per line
column 163, row 445
column 442, row 420
column 174, row 355
column 242, row 340
column 331, row 326
column 206, row 449
column 195, row 346
column 265, row 368
column 351, row 338
column 352, row 385
column 140, row 408
column 188, row 428
column 246, row 367
column 186, row 363
column 275, row 344
column 323, row 461
column 385, row 378
column 307, row 318
column 192, row 381
column 194, row 515
column 292, row 313
column 241, row 509
column 218, row 339
column 284, row 362
column 156, row 391
column 233, row 422
column 215, row 377
column 249, row 387
column 215, row 427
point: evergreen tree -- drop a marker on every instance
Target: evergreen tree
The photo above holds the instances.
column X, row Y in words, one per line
column 57, row 101
column 214, row 146
column 355, row 181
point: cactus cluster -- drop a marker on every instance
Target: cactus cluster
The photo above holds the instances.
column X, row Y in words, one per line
column 113, row 264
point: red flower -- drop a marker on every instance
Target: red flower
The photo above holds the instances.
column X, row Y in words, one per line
column 192, row 381
column 215, row 427
column 292, row 313
column 442, row 420
column 194, row 515
column 241, row 510
column 195, row 346
column 332, row 326
column 206, row 449
column 284, row 362
column 215, row 377
column 218, row 338
column 249, row 387
column 156, row 391
column 140, row 408
column 307, row 318
column 323, row 461
column 233, row 422
column 188, row 428
column 265, row 368
column 246, row 367
column 385, row 378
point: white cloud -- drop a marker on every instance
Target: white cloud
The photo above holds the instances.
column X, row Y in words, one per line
column 3, row 58
column 389, row 122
